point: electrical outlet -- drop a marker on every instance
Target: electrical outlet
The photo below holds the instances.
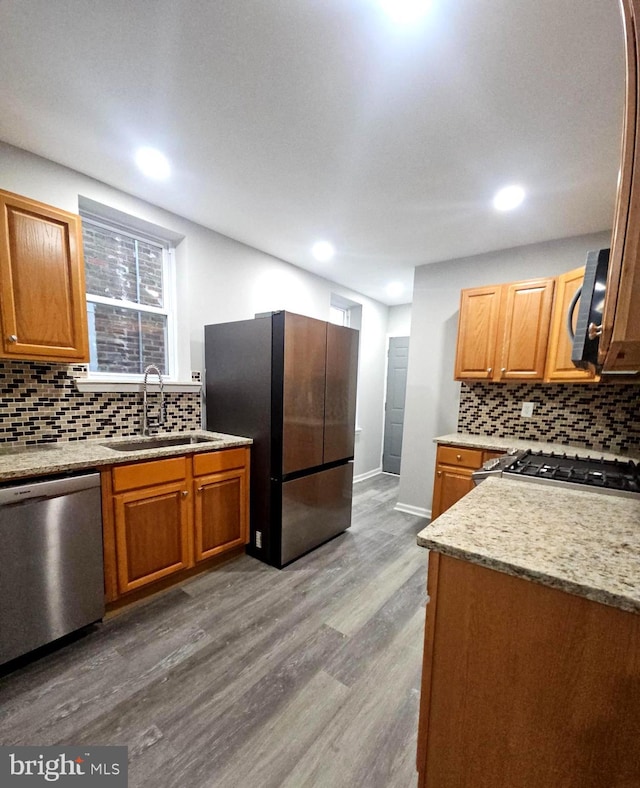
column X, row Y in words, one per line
column 527, row 410
column 196, row 376
column 258, row 538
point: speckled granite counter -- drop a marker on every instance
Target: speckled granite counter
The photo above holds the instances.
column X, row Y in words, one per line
column 494, row 443
column 582, row 542
column 78, row 455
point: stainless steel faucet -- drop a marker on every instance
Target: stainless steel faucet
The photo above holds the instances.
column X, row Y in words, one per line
column 147, row 418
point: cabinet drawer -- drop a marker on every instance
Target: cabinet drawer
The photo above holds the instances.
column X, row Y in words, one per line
column 215, row 461
column 143, row 474
column 454, row 455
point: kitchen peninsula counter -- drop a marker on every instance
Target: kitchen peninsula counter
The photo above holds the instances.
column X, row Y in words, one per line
column 582, row 542
column 531, row 672
column 53, row 458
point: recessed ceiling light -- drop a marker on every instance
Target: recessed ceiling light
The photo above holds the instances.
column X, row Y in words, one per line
column 405, row 12
column 508, row 198
column 395, row 289
column 153, row 163
column 323, row 251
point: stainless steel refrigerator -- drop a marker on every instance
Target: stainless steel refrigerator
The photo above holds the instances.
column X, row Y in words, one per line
column 288, row 382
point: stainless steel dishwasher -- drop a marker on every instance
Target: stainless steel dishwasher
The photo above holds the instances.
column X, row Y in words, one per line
column 51, row 569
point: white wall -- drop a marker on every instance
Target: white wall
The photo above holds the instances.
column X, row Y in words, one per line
column 399, row 324
column 432, row 394
column 219, row 279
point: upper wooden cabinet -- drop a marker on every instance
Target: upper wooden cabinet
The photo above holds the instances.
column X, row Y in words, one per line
column 560, row 368
column 478, row 332
column 43, row 312
column 504, row 330
column 619, row 348
column 526, row 318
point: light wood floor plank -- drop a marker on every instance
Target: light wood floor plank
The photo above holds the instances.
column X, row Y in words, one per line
column 356, row 609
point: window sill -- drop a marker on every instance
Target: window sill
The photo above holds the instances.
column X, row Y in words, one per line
column 88, row 385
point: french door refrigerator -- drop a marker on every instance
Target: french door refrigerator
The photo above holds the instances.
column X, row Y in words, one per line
column 288, row 382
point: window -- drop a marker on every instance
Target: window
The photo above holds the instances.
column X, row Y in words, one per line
column 339, row 315
column 129, row 283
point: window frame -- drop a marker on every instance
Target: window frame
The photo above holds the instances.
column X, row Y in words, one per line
column 168, row 293
column 346, row 315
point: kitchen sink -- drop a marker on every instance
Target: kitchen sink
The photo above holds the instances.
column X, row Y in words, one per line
column 158, row 443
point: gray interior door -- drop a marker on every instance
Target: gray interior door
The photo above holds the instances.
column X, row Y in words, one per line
column 394, row 405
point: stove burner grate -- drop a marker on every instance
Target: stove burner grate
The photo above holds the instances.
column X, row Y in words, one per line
column 594, row 472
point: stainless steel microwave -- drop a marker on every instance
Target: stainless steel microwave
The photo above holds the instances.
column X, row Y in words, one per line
column 590, row 296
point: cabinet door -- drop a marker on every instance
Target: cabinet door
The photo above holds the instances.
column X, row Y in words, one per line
column 221, row 513
column 340, row 392
column 152, row 534
column 526, row 315
column 619, row 348
column 42, row 287
column 559, row 365
column 477, row 333
column 451, row 484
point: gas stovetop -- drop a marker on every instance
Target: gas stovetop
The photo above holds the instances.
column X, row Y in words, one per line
column 612, row 476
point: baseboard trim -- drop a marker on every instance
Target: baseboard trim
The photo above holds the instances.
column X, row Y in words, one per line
column 418, row 511
column 361, row 477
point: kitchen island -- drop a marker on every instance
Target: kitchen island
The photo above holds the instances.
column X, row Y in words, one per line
column 531, row 669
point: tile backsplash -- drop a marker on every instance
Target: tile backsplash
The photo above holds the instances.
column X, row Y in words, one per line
column 604, row 416
column 39, row 403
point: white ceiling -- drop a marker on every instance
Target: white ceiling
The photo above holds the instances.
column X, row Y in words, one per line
column 287, row 121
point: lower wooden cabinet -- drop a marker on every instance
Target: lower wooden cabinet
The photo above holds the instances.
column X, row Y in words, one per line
column 152, row 534
column 164, row 516
column 454, row 466
column 221, row 510
column 525, row 685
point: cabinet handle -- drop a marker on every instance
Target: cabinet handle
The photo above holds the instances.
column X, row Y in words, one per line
column 490, row 370
column 185, row 493
column 439, row 473
column 503, row 370
column 458, row 457
column 200, row 489
column 12, row 338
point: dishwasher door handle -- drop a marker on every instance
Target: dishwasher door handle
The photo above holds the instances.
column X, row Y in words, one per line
column 24, row 501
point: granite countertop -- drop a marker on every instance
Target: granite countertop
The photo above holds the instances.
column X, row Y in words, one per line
column 64, row 456
column 494, row 443
column 579, row 541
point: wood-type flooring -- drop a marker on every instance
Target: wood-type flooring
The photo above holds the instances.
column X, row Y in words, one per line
column 249, row 676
